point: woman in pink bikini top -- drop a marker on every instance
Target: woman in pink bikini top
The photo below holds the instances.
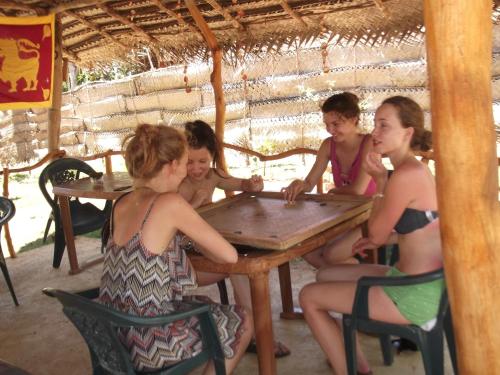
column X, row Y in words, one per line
column 346, row 149
column 348, row 178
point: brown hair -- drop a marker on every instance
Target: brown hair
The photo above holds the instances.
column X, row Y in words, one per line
column 199, row 134
column 151, row 147
column 345, row 104
column 411, row 115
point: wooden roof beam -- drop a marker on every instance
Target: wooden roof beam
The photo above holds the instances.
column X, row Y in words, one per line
column 58, row 8
column 73, row 56
column 224, row 12
column 177, row 16
column 111, row 12
column 207, row 33
column 215, row 76
column 292, row 13
column 92, row 26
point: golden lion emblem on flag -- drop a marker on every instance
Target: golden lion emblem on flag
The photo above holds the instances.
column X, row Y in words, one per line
column 14, row 67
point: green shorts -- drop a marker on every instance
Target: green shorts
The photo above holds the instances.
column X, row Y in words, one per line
column 418, row 303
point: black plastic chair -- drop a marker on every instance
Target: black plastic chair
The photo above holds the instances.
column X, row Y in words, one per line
column 85, row 217
column 7, row 211
column 98, row 325
column 430, row 343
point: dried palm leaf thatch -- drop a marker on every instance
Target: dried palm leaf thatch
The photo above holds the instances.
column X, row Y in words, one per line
column 97, row 32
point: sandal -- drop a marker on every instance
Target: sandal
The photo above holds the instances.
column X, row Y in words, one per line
column 280, row 350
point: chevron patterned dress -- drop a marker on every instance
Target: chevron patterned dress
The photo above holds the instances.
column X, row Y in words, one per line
column 141, row 283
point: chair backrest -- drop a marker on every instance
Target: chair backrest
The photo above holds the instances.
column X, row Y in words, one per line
column 7, row 211
column 60, row 171
column 95, row 323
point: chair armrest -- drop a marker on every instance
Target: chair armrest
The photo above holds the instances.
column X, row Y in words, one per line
column 360, row 304
column 90, row 293
column 82, row 302
column 49, row 292
column 189, row 310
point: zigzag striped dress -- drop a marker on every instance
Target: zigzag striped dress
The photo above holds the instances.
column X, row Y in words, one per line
column 141, row 283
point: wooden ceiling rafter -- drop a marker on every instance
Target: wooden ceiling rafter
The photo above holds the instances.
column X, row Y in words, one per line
column 225, row 13
column 138, row 30
column 63, row 7
column 205, row 30
column 288, row 9
column 96, row 28
column 176, row 16
column 73, row 56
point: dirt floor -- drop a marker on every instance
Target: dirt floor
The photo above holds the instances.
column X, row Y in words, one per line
column 36, row 335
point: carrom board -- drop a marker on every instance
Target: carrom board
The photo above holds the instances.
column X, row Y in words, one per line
column 264, row 220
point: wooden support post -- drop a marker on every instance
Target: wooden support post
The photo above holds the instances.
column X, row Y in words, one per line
column 459, row 55
column 215, row 77
column 8, row 239
column 220, row 103
column 54, row 128
column 108, row 163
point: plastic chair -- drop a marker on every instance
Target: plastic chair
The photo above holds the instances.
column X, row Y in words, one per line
column 430, row 343
column 98, row 325
column 7, row 211
column 85, row 217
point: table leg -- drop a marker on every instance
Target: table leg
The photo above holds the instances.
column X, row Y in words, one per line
column 261, row 304
column 68, row 234
column 286, row 294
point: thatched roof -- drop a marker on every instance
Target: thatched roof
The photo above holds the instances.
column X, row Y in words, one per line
column 97, row 31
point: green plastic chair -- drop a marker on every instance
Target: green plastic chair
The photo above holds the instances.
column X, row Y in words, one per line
column 85, row 217
column 98, row 325
column 430, row 343
column 7, row 212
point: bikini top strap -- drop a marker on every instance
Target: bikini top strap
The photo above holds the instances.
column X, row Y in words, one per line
column 113, row 212
column 149, row 210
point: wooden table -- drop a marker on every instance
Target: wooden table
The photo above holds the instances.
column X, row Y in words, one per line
column 278, row 234
column 114, row 185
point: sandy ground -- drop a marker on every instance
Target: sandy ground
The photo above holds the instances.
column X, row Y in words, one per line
column 37, row 336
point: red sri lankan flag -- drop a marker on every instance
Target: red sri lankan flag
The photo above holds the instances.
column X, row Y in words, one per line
column 26, row 62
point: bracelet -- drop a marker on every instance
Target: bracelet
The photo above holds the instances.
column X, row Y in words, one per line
column 378, row 195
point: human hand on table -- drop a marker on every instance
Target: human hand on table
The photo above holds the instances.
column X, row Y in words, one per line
column 253, row 184
column 292, row 190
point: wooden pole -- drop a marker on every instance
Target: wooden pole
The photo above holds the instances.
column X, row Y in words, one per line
column 220, row 104
column 459, row 55
column 215, row 76
column 54, row 128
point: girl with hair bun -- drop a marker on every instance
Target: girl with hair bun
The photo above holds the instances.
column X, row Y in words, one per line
column 203, row 171
column 203, row 176
column 405, row 207
column 345, row 150
column 146, row 272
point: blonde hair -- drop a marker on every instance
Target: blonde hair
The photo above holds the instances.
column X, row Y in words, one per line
column 151, row 147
